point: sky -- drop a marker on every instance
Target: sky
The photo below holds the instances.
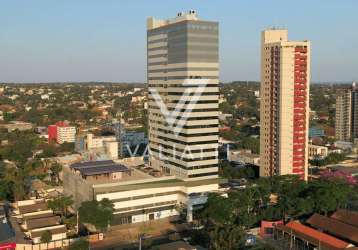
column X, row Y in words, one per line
column 105, row 40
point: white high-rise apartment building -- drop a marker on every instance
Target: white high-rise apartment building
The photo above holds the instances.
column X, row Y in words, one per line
column 183, row 69
column 284, row 107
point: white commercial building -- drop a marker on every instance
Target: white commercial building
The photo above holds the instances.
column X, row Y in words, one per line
column 138, row 192
column 183, row 77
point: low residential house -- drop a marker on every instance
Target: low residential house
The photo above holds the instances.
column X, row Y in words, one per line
column 243, row 156
column 137, row 99
column 30, row 206
column 344, row 145
column 35, row 218
column 57, row 233
column 17, row 125
column 316, row 151
column 33, row 223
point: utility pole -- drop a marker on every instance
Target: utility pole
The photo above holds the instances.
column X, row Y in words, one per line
column 77, row 222
column 140, row 242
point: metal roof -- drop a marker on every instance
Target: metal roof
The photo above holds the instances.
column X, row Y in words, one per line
column 98, row 167
column 346, row 216
column 6, row 233
column 87, row 164
column 334, row 227
column 313, row 236
column 43, row 222
column 33, row 208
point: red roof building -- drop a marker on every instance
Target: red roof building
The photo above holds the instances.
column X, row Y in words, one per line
column 310, row 236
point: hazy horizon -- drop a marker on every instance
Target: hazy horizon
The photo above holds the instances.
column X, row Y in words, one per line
column 105, row 41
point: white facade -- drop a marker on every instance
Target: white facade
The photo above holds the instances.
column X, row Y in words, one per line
column 111, row 149
column 55, row 236
column 176, row 73
column 317, row 151
column 243, row 157
column 157, row 202
column 66, row 134
column 98, row 141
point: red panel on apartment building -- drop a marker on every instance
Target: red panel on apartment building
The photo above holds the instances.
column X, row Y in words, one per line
column 52, row 133
column 52, row 130
column 300, row 111
column 8, row 246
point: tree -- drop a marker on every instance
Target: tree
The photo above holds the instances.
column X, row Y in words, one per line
column 60, row 204
column 248, row 204
column 97, row 213
column 292, row 197
column 220, row 228
column 46, row 237
column 328, row 195
column 17, row 178
column 49, row 151
column 227, row 237
column 81, row 244
column 200, row 237
column 70, row 222
column 55, row 169
column 217, row 210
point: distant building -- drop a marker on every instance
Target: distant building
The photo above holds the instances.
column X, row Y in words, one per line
column 61, row 132
column 316, row 132
column 222, row 98
column 17, row 125
column 284, row 105
column 243, row 156
column 316, row 151
column 129, row 140
column 45, row 97
column 345, row 145
column 106, row 144
column 346, row 128
column 225, row 117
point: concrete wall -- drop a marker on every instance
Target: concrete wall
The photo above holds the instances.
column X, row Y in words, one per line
column 74, row 185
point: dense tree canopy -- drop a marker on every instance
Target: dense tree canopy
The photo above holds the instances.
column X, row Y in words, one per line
column 281, row 197
column 97, row 213
column 81, row 244
column 60, row 204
